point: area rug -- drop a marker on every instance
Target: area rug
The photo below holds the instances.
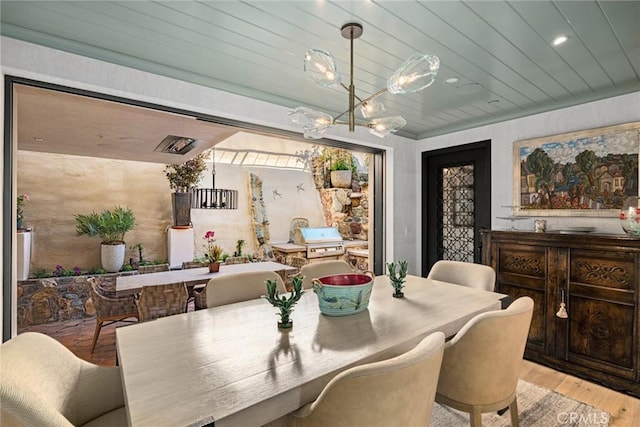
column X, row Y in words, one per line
column 538, row 407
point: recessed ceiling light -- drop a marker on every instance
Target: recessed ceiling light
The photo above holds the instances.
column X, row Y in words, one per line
column 468, row 88
column 560, row 39
column 452, row 80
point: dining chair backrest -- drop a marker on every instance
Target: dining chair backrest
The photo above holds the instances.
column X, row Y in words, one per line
column 313, row 270
column 42, row 383
column 239, row 287
column 482, row 362
column 396, row 392
column 154, row 268
column 464, row 273
column 157, row 301
column 194, row 264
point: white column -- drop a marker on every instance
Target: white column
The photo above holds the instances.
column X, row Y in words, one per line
column 180, row 243
column 24, row 254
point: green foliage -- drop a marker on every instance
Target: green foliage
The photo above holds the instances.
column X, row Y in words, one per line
column 60, row 271
column 397, row 274
column 140, row 248
column 110, row 225
column 127, row 267
column 340, row 165
column 20, row 205
column 239, row 245
column 40, row 273
column 588, row 163
column 339, row 159
column 283, row 303
column 186, row 176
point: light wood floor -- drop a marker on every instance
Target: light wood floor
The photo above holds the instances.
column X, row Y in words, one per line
column 624, row 409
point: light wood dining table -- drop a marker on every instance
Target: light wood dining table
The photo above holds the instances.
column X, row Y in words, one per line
column 192, row 276
column 231, row 366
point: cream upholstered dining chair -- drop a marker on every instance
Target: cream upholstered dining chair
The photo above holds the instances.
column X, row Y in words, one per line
column 313, row 270
column 238, row 287
column 157, row 301
column 109, row 307
column 42, row 383
column 464, row 273
column 482, row 362
column 394, row 392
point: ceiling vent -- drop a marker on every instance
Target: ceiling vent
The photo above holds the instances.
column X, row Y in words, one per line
column 173, row 144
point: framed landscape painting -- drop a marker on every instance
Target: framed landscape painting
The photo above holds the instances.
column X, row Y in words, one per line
column 585, row 173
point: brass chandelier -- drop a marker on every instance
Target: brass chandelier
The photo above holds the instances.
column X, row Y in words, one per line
column 416, row 73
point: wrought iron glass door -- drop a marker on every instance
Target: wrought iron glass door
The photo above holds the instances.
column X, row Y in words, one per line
column 456, row 203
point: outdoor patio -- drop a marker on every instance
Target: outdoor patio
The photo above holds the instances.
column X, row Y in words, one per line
column 77, row 336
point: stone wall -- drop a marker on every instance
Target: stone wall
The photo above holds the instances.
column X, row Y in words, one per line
column 347, row 210
column 58, row 298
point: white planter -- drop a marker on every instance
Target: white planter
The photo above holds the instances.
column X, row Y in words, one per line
column 112, row 257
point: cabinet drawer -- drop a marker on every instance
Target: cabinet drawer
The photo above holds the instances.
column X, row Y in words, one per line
column 522, row 260
column 602, row 268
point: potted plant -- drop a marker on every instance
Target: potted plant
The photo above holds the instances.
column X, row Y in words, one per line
column 110, row 226
column 20, row 209
column 282, row 303
column 213, row 252
column 182, row 179
column 397, row 278
column 341, row 165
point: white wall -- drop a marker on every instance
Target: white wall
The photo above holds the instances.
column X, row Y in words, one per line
column 231, row 225
column 35, row 62
column 611, row 111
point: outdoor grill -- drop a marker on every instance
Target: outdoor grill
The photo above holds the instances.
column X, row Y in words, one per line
column 319, row 241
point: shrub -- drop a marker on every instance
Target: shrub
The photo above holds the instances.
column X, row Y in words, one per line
column 110, row 225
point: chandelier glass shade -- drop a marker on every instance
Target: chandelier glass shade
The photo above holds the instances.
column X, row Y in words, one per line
column 416, row 73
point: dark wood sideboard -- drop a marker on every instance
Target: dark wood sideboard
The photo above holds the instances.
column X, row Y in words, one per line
column 599, row 276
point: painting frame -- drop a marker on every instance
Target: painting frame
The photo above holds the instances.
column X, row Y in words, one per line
column 591, row 184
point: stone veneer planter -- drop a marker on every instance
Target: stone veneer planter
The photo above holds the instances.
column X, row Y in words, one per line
column 58, row 298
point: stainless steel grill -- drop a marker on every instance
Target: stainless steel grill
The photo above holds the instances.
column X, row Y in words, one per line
column 319, row 241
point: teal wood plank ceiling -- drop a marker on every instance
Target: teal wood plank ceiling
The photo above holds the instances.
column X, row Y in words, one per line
column 256, row 48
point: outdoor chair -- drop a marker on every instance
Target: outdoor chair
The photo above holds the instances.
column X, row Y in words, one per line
column 155, row 268
column 194, row 264
column 191, row 289
column 109, row 307
column 161, row 300
column 394, row 392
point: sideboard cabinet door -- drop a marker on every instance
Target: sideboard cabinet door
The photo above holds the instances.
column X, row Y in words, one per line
column 601, row 290
column 597, row 277
column 522, row 270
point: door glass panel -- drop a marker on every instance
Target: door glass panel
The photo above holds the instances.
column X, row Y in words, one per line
column 456, row 191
